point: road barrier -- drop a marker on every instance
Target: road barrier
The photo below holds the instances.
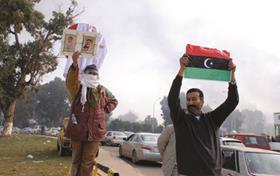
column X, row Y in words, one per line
column 99, row 167
column 104, row 169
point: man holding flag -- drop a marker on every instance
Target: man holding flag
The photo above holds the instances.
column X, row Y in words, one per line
column 197, row 133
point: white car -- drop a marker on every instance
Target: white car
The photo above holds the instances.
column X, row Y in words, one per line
column 114, row 138
column 231, row 142
column 247, row 161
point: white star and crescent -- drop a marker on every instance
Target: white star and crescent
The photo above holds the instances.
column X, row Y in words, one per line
column 208, row 64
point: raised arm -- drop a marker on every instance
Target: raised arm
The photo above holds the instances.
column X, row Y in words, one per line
column 173, row 96
column 72, row 78
column 222, row 112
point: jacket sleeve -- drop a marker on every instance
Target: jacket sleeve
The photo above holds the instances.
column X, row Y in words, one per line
column 163, row 140
column 111, row 101
column 220, row 114
column 72, row 81
column 173, row 99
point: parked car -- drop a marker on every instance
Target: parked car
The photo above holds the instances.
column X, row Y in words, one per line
column 128, row 133
column 140, row 146
column 53, row 131
column 26, row 130
column 63, row 143
column 246, row 161
column 113, row 138
column 275, row 146
column 251, row 140
column 231, row 142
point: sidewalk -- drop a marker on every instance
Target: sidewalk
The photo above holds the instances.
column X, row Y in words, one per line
column 116, row 164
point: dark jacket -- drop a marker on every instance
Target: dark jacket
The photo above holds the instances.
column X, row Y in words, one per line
column 91, row 120
column 197, row 140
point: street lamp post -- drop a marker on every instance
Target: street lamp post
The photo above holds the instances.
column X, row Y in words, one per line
column 154, row 113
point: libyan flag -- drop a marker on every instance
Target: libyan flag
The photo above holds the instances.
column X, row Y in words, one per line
column 207, row 63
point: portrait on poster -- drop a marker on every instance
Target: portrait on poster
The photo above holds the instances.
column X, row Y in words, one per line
column 70, row 43
column 89, row 45
column 84, row 42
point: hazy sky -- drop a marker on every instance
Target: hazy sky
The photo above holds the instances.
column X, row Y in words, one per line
column 145, row 39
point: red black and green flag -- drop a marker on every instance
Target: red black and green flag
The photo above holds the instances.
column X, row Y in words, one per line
column 207, row 63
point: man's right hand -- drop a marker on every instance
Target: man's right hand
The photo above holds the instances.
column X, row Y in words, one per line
column 184, row 62
column 75, row 58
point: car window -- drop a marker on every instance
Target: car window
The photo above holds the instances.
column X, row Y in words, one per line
column 134, row 138
column 233, row 143
column 256, row 140
column 263, row 163
column 137, row 139
column 229, row 160
column 130, row 137
column 150, row 138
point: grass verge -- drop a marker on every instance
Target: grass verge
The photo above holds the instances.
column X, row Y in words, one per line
column 45, row 162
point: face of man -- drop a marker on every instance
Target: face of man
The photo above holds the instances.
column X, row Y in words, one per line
column 70, row 39
column 194, row 103
column 88, row 43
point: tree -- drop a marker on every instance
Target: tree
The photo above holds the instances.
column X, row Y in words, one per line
column 129, row 116
column 233, row 122
column 165, row 112
column 22, row 65
column 52, row 103
column 150, row 122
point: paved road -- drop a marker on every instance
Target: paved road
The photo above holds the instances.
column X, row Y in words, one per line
column 142, row 169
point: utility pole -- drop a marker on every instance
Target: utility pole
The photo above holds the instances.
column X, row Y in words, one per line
column 153, row 128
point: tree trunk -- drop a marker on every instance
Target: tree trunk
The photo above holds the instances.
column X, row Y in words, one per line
column 9, row 115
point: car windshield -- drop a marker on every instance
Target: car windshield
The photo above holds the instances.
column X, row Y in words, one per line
column 263, row 163
column 150, row 138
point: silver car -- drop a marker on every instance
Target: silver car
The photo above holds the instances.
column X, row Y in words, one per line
column 140, row 146
column 246, row 161
column 114, row 138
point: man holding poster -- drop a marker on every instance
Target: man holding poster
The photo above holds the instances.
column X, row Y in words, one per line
column 86, row 127
column 197, row 133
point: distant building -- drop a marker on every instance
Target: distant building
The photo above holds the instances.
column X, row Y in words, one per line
column 277, row 123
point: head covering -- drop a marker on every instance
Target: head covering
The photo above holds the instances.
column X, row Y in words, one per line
column 91, row 68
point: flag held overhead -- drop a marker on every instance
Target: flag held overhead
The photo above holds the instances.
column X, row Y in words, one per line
column 207, row 63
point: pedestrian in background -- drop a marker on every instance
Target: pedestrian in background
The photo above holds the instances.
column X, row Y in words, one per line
column 166, row 146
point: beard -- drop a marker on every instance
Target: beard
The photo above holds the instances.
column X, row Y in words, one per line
column 195, row 110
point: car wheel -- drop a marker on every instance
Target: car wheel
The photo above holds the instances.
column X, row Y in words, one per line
column 134, row 157
column 120, row 152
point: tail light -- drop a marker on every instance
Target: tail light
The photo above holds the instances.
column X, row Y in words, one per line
column 146, row 147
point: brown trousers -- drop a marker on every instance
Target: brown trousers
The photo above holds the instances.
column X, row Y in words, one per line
column 83, row 156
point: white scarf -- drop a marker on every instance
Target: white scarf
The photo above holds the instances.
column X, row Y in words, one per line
column 87, row 80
